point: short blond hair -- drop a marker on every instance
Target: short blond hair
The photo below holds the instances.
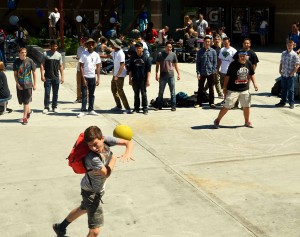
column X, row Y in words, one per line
column 1, row 66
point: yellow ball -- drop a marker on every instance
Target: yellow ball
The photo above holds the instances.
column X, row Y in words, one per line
column 123, row 131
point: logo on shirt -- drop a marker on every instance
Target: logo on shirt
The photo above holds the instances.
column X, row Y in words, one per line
column 242, row 76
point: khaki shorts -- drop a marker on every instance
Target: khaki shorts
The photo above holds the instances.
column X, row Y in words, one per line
column 232, row 96
column 91, row 203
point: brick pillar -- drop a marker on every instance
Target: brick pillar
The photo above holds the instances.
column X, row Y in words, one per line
column 156, row 13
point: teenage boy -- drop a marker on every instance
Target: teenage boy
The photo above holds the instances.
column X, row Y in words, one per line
column 24, row 70
column 117, row 82
column 100, row 161
column 50, row 68
column 90, row 64
column 139, row 77
column 166, row 62
column 236, row 86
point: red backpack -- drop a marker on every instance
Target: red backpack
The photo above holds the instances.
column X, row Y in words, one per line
column 78, row 152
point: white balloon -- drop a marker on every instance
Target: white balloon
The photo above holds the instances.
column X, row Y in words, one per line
column 78, row 19
column 112, row 20
column 13, row 20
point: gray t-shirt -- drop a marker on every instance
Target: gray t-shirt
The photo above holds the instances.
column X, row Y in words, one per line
column 166, row 62
column 94, row 162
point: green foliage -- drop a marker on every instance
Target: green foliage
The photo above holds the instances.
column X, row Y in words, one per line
column 34, row 41
column 71, row 45
column 43, row 33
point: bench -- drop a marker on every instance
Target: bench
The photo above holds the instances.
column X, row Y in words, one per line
column 3, row 104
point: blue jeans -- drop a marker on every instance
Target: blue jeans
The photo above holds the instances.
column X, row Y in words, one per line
column 55, row 86
column 162, row 84
column 91, row 86
column 287, row 90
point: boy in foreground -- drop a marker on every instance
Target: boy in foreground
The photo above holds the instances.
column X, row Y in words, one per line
column 99, row 162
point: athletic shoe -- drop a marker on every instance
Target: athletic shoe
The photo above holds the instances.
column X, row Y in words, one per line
column 135, row 111
column 173, row 109
column 216, row 123
column 127, row 111
column 116, row 108
column 248, row 124
column 280, row 104
column 29, row 114
column 55, row 110
column 292, row 106
column 58, row 231
column 81, row 114
column 157, row 108
column 46, row 111
column 213, row 106
column 8, row 110
column 145, row 111
column 197, row 105
column 25, row 122
column 77, row 101
column 93, row 112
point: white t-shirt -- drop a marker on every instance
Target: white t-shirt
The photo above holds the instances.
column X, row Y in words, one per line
column 119, row 57
column 263, row 25
column 89, row 60
column 226, row 56
column 54, row 17
column 201, row 27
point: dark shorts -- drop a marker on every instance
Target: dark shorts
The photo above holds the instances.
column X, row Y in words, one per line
column 24, row 96
column 91, row 203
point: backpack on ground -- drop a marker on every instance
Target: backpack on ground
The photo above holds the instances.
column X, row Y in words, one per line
column 276, row 89
column 77, row 154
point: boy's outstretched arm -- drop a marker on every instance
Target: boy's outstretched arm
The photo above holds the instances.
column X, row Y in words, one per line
column 127, row 156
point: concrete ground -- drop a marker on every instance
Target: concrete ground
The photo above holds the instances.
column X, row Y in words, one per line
column 187, row 179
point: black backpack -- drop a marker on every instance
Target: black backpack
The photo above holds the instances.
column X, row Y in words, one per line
column 276, row 89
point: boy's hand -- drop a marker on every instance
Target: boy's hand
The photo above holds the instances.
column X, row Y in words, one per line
column 125, row 157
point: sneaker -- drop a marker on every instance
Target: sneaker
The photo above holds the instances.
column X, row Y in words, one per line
column 173, row 109
column 135, row 111
column 81, row 114
column 77, row 101
column 46, row 111
column 24, row 122
column 213, row 106
column 116, row 108
column 55, row 110
column 292, row 106
column 29, row 114
column 248, row 124
column 127, row 111
column 103, row 72
column 216, row 123
column 93, row 112
column 197, row 105
column 8, row 110
column 58, row 231
column 145, row 111
column 280, row 104
column 157, row 108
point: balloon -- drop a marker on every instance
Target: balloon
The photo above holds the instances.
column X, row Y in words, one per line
column 13, row 20
column 78, row 19
column 112, row 20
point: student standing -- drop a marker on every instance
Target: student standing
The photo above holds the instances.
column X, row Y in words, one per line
column 90, row 64
column 24, row 69
column 50, row 68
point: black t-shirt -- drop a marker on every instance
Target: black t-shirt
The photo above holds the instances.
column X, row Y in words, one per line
column 239, row 76
column 217, row 48
column 139, row 66
column 251, row 56
column 4, row 90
